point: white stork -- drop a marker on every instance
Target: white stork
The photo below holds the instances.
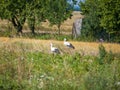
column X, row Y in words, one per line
column 54, row 49
column 68, row 44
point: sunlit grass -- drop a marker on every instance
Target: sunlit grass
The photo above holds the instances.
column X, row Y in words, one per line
column 84, row 48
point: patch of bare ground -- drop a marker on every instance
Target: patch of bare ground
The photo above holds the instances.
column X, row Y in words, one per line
column 33, row 45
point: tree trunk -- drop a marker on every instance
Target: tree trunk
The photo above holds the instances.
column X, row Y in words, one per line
column 31, row 24
column 33, row 29
column 109, row 38
column 19, row 30
column 59, row 29
column 18, row 24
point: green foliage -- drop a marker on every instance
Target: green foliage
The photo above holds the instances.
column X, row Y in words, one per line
column 102, row 19
column 102, row 78
column 8, row 70
column 91, row 22
column 110, row 18
column 14, row 11
column 110, row 14
column 34, row 12
column 35, row 70
column 58, row 12
column 104, row 56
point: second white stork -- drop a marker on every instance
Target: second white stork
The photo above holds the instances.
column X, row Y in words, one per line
column 54, row 49
column 68, row 44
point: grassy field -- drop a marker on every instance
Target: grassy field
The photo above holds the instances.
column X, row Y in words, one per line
column 27, row 63
column 84, row 48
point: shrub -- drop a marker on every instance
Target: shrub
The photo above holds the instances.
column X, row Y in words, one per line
column 102, row 54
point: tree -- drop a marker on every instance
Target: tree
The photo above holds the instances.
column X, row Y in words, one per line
column 20, row 11
column 110, row 18
column 32, row 11
column 36, row 12
column 58, row 12
column 14, row 11
column 102, row 18
column 40, row 10
column 91, row 22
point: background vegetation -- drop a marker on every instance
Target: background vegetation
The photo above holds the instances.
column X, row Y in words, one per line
column 102, row 19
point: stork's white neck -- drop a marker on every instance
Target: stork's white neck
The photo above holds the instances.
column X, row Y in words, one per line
column 51, row 45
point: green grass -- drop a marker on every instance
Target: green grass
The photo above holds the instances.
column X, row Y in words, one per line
column 40, row 71
column 47, row 36
column 47, row 33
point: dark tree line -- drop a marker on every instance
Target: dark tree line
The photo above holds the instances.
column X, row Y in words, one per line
column 102, row 19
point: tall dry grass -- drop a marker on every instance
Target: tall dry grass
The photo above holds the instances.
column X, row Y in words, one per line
column 84, row 48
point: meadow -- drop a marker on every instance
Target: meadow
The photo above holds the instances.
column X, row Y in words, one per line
column 26, row 63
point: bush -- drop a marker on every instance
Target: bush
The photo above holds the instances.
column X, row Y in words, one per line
column 104, row 56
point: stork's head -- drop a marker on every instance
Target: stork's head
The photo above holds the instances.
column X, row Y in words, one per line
column 65, row 39
column 51, row 44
